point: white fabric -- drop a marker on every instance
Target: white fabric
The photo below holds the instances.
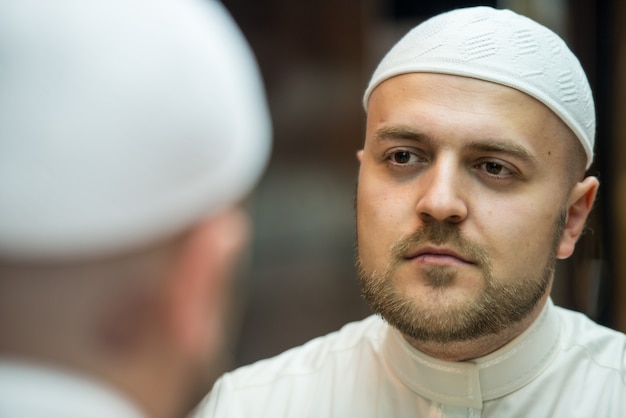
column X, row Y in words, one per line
column 29, row 391
column 564, row 365
column 502, row 47
column 122, row 122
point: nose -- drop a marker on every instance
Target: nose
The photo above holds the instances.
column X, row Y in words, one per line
column 441, row 194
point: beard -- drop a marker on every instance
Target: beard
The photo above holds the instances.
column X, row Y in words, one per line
column 501, row 303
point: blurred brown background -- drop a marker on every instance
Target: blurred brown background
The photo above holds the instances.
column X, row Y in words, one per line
column 316, row 57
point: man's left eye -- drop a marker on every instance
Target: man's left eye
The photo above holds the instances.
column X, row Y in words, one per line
column 493, row 168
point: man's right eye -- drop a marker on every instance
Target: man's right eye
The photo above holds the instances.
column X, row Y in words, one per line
column 402, row 157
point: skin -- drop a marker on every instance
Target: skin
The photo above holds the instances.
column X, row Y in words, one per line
column 484, row 173
column 149, row 322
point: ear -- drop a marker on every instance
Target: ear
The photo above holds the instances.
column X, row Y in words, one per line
column 198, row 286
column 579, row 205
column 359, row 155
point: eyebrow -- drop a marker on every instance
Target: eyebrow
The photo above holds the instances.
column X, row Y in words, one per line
column 400, row 132
column 489, row 146
column 516, row 150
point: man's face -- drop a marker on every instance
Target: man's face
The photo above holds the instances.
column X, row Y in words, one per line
column 461, row 205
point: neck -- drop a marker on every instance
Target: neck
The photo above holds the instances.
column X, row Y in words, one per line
column 478, row 347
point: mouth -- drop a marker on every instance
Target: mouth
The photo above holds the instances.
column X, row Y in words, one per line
column 438, row 256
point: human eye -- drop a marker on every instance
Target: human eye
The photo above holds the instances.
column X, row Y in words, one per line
column 403, row 157
column 494, row 169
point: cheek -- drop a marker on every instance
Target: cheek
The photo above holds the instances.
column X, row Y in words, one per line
column 518, row 235
column 382, row 217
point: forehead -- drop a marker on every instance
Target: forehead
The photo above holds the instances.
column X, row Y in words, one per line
column 448, row 108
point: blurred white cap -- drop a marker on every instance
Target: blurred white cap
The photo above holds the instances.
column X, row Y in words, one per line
column 122, row 122
column 503, row 47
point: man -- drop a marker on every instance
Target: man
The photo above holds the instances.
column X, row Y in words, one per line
column 480, row 126
column 130, row 130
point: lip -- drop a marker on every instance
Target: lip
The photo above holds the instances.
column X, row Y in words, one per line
column 438, row 255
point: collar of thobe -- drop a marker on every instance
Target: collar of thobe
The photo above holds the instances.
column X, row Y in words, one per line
column 470, row 383
column 26, row 386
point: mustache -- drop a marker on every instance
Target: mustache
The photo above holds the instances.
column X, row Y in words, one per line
column 440, row 234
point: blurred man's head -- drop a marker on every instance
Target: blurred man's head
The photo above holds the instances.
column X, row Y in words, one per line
column 130, row 129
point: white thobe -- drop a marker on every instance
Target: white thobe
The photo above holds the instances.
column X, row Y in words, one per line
column 34, row 391
column 563, row 365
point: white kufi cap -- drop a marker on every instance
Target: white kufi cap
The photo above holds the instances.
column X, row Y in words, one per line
column 122, row 122
column 502, row 47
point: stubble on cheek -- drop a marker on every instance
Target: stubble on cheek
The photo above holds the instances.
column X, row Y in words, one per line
column 498, row 303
